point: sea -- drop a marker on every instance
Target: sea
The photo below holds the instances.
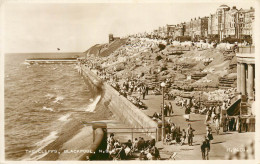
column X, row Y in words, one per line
column 39, row 99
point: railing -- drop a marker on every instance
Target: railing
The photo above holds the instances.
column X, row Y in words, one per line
column 233, row 109
column 133, row 131
column 248, row 49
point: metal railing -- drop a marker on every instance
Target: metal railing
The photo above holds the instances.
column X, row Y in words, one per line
column 246, row 49
column 133, row 131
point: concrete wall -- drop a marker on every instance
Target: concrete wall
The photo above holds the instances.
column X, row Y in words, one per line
column 123, row 109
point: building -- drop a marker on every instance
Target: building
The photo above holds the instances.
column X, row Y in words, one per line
column 170, row 31
column 225, row 23
column 212, row 25
column 249, row 17
column 246, row 77
column 179, row 30
column 232, row 23
column 111, row 38
column 222, row 21
column 188, row 29
column 204, row 26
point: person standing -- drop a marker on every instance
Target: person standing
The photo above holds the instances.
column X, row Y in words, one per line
column 165, row 108
column 190, row 131
column 146, row 89
column 205, row 148
column 224, row 122
column 187, row 113
column 183, row 134
column 170, row 111
column 143, row 91
column 173, row 131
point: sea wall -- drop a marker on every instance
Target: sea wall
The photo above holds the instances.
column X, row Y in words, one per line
column 124, row 110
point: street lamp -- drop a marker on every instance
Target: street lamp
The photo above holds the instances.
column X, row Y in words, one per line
column 163, row 128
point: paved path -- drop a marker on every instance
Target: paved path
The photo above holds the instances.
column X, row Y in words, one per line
column 219, row 146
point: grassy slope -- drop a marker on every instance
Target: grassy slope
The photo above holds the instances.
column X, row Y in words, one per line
column 103, row 50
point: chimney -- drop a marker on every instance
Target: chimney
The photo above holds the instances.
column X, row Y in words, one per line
column 234, row 7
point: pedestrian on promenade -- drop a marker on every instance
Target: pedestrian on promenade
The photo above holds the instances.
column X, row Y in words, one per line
column 205, row 148
column 143, row 90
column 208, row 115
column 183, row 136
column 173, row 131
column 225, row 122
column 146, row 89
column 165, row 109
column 217, row 125
column 170, row 111
column 187, row 113
column 209, row 134
column 190, row 131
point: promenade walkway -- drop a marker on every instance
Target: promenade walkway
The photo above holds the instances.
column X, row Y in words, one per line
column 220, row 146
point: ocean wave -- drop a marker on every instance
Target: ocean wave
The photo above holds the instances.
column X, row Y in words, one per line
column 50, row 96
column 58, row 99
column 25, row 63
column 64, row 117
column 91, row 107
column 45, row 108
column 41, row 144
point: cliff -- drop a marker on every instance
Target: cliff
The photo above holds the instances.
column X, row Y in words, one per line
column 102, row 50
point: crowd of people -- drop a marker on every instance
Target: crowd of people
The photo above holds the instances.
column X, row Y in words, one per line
column 145, row 149
column 174, row 134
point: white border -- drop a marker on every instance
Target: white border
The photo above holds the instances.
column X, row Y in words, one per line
column 257, row 80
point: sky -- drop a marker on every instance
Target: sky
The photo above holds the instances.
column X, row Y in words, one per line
column 74, row 27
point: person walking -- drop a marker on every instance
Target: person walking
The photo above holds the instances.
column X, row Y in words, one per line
column 205, row 148
column 190, row 131
column 209, row 133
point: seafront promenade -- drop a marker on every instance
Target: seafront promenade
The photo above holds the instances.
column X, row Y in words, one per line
column 221, row 146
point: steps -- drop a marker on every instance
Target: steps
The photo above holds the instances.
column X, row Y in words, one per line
column 198, row 76
column 225, row 82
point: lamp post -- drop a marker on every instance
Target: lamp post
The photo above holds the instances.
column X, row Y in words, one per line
column 163, row 127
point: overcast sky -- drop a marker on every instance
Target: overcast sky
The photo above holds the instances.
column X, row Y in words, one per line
column 44, row 27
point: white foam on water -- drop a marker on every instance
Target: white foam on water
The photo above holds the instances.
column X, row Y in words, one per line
column 49, row 109
column 58, row 98
column 49, row 95
column 64, row 117
column 41, row 144
column 91, row 107
column 25, row 63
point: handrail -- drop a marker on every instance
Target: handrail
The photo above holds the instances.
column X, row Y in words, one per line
column 233, row 106
column 134, row 128
column 242, row 49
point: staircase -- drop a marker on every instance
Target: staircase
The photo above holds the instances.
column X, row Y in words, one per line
column 226, row 83
column 198, row 76
column 112, row 47
column 234, row 109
